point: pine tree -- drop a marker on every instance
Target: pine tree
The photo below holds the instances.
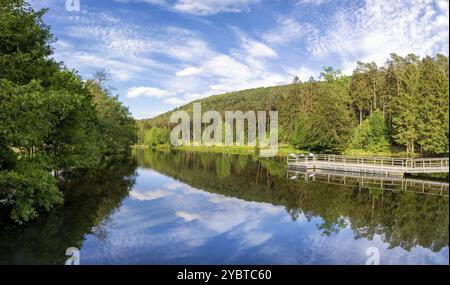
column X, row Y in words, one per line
column 434, row 109
column 406, row 111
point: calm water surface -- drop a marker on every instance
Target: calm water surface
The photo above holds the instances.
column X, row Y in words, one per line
column 192, row 208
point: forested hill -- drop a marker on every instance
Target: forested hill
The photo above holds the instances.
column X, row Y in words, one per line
column 403, row 103
column 257, row 99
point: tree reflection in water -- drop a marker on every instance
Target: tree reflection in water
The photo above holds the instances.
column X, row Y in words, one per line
column 404, row 219
column 91, row 196
column 401, row 219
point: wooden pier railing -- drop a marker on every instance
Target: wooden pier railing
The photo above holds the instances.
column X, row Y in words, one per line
column 387, row 165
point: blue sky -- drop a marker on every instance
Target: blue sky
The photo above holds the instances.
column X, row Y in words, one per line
column 164, row 53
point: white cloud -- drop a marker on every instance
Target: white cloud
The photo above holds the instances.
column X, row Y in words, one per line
column 187, row 216
column 83, row 60
column 209, row 7
column 378, row 28
column 201, row 7
column 135, row 41
column 143, row 195
column 175, row 101
column 174, row 185
column 225, row 66
column 195, row 96
column 142, row 91
column 189, row 71
column 153, row 2
column 312, row 2
column 243, row 67
column 304, row 73
column 287, row 30
column 257, row 49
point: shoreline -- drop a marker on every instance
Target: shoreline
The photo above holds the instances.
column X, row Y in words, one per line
column 283, row 150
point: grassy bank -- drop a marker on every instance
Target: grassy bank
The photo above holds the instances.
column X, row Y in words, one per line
column 283, row 150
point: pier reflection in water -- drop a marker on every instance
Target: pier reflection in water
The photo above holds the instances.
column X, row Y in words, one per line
column 372, row 181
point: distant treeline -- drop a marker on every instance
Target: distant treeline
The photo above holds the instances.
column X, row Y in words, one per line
column 404, row 103
column 50, row 119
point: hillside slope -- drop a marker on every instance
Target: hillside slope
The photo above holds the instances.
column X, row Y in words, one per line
column 258, row 99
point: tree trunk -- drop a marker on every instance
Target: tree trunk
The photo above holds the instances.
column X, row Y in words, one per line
column 374, row 96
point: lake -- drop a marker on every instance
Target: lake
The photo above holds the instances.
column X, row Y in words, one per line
column 198, row 208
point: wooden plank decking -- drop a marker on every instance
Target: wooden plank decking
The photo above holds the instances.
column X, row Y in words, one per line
column 383, row 165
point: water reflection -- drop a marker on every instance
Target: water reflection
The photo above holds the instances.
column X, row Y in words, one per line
column 91, row 197
column 402, row 219
column 374, row 182
column 192, row 208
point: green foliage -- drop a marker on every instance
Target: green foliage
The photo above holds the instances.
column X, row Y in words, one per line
column 410, row 93
column 371, row 135
column 299, row 137
column 24, row 43
column 331, row 123
column 157, row 136
column 90, row 197
column 29, row 189
column 47, row 113
column 433, row 122
column 118, row 130
column 405, row 115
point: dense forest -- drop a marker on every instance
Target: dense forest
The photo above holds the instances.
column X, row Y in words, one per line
column 402, row 104
column 51, row 120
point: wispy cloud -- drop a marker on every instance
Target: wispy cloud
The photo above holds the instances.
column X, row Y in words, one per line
column 304, row 73
column 175, row 101
column 288, row 29
column 200, row 7
column 173, row 60
column 189, row 71
column 312, row 2
column 142, row 91
column 209, row 7
column 257, row 49
column 242, row 67
column 377, row 28
column 153, row 194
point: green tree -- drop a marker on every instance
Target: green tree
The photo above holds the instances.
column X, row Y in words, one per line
column 49, row 119
column 372, row 134
column 25, row 43
column 156, row 136
column 360, row 91
column 299, row 137
column 332, row 120
column 405, row 113
column 433, row 115
column 118, row 129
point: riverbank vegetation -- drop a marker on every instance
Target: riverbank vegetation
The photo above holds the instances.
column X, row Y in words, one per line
column 399, row 108
column 51, row 120
column 283, row 150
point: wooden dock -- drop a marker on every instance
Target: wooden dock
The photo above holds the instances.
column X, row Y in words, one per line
column 377, row 165
column 375, row 182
